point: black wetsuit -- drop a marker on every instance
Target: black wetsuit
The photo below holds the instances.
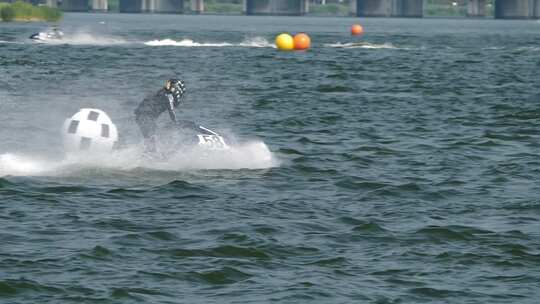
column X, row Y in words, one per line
column 151, row 108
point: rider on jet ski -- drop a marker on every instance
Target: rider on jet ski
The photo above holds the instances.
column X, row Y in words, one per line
column 52, row 34
column 148, row 111
column 55, row 33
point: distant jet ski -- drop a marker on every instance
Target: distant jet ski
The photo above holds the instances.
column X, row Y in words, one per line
column 51, row 35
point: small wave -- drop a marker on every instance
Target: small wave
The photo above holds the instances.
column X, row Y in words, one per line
column 369, row 227
column 256, row 42
column 528, row 49
column 337, row 262
column 10, row 42
column 494, row 48
column 225, row 275
column 451, row 233
column 4, row 183
column 225, row 251
column 98, row 253
column 135, row 293
column 438, row 293
column 325, row 88
column 361, row 45
column 14, row 287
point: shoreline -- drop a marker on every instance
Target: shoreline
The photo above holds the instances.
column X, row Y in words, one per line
column 25, row 12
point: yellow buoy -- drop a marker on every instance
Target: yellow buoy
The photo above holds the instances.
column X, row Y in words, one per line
column 285, row 42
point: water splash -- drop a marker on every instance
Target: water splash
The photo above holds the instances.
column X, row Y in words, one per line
column 251, row 155
column 9, row 42
column 184, row 43
column 83, row 38
column 17, row 165
column 255, row 42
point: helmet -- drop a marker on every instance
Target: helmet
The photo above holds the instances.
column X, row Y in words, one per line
column 176, row 87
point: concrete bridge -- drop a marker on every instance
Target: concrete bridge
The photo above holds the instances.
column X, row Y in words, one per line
column 389, row 8
column 504, row 9
column 517, row 9
column 276, row 7
column 251, row 7
column 126, row 6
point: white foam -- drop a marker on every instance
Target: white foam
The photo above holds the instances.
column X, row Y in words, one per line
column 256, row 42
column 361, row 45
column 529, row 48
column 86, row 39
column 493, row 48
column 252, row 155
column 184, row 43
column 12, row 164
column 22, row 165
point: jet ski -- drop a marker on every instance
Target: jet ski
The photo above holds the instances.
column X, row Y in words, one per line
column 50, row 35
column 188, row 134
column 184, row 137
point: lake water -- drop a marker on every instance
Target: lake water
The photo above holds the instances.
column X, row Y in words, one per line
column 398, row 167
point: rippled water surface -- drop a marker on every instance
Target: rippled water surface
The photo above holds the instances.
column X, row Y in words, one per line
column 399, row 167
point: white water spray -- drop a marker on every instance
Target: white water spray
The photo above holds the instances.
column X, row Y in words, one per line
column 251, row 155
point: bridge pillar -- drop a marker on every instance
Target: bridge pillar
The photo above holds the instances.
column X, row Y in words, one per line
column 373, row 8
column 476, row 8
column 352, row 8
column 168, row 6
column 408, row 8
column 100, row 5
column 74, row 5
column 515, row 9
column 276, row 7
column 197, row 6
column 305, row 7
column 536, row 12
column 130, row 6
column 148, row 6
column 152, row 6
column 390, row 8
column 51, row 3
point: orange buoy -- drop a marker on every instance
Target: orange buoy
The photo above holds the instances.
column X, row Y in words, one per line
column 357, row 30
column 301, row 41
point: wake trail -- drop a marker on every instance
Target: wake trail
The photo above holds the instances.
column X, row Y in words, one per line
column 362, row 45
column 256, row 42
